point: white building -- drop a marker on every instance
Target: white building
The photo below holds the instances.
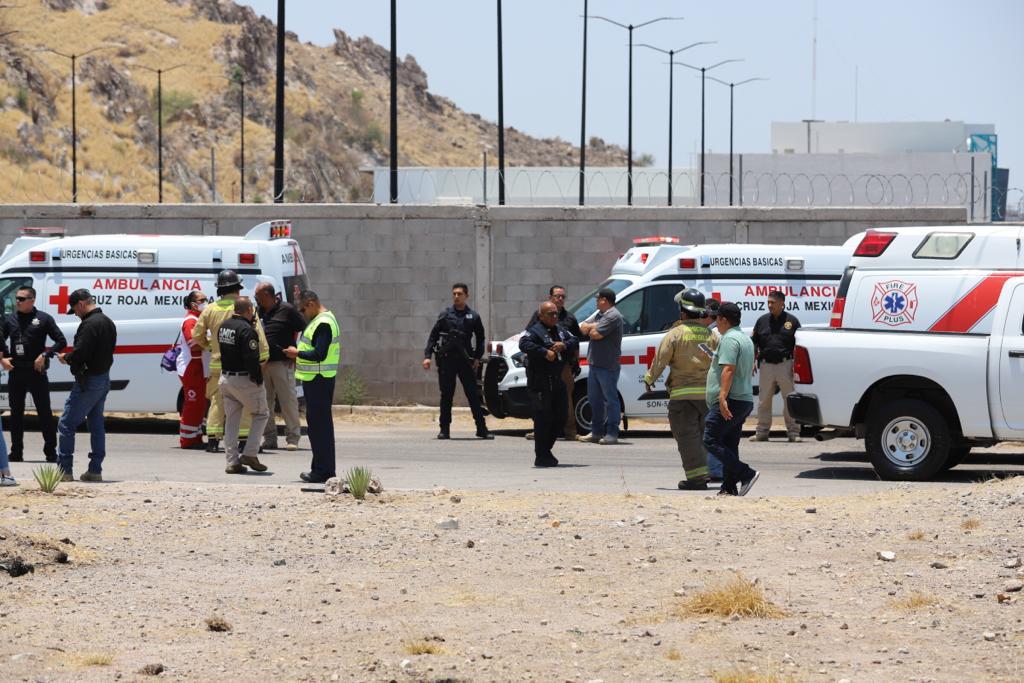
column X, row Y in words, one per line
column 838, row 137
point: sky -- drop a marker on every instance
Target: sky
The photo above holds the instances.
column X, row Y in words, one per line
column 916, row 60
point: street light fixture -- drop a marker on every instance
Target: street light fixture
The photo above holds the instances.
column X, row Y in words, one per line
column 671, row 54
column 731, row 87
column 703, row 70
column 629, row 145
column 160, row 126
column 239, row 78
column 74, row 113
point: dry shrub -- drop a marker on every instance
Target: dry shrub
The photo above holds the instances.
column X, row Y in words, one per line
column 218, row 624
column 673, row 655
column 736, row 596
column 740, row 676
column 916, row 535
column 422, row 647
column 95, row 659
column 916, row 601
column 970, row 523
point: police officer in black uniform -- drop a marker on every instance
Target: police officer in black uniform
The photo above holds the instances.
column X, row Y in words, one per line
column 449, row 342
column 774, row 338
column 241, row 386
column 28, row 329
column 548, row 346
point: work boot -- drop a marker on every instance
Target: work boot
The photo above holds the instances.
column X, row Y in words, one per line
column 444, row 434
column 253, row 462
column 237, row 468
column 759, row 437
column 550, row 461
column 213, row 446
column 269, row 445
column 694, row 484
column 67, row 476
column 483, row 433
column 90, row 476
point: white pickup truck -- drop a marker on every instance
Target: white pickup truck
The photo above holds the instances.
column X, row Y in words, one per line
column 925, row 355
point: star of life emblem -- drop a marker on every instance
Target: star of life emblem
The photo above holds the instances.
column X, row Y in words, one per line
column 894, row 303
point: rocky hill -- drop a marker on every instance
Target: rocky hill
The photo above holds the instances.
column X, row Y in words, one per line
column 337, row 107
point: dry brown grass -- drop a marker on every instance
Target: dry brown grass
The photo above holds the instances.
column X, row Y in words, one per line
column 740, row 676
column 93, row 659
column 423, row 647
column 673, row 655
column 735, row 596
column 916, row 535
column 916, row 601
column 970, row 524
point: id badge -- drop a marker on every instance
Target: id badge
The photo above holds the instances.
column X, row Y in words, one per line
column 19, row 349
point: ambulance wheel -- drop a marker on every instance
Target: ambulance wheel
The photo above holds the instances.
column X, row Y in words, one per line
column 581, row 408
column 908, row 440
column 957, row 454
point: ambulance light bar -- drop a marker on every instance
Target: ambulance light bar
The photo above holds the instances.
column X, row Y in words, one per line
column 687, row 263
column 147, row 256
column 42, row 232
column 37, row 256
column 280, row 229
column 654, row 241
column 874, row 243
column 247, row 259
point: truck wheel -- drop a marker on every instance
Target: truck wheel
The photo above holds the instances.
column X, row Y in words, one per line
column 957, row 454
column 907, row 440
column 581, row 408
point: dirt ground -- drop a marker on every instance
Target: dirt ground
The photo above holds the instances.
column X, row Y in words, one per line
column 525, row 587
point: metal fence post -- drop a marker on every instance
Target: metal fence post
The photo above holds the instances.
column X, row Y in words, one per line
column 972, row 188
column 741, row 181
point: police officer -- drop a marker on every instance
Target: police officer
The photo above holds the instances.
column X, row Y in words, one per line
column 548, row 346
column 204, row 334
column 28, row 329
column 556, row 295
column 316, row 366
column 687, row 349
column 774, row 339
column 241, row 385
column 449, row 342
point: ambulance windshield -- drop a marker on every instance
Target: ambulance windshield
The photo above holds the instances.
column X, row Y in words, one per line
column 585, row 307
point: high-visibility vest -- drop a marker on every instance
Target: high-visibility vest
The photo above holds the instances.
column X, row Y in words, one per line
column 306, row 370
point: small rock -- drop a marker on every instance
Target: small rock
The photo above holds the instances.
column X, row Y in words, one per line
column 652, row 559
column 448, row 523
column 152, row 670
column 147, row 500
column 280, row 563
column 543, row 515
column 639, row 520
column 989, row 636
column 555, row 524
column 886, row 555
column 577, row 537
column 810, row 511
column 679, row 592
column 939, row 565
column 440, row 491
column 844, row 626
column 329, row 525
column 486, row 655
column 544, row 622
column 1013, row 586
column 334, row 486
column 405, row 664
column 470, row 544
column 1012, row 563
column 21, row 656
column 65, row 541
column 61, row 557
column 456, row 499
column 578, row 568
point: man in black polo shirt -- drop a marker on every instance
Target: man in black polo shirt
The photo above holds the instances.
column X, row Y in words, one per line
column 281, row 322
column 28, row 330
column 774, row 339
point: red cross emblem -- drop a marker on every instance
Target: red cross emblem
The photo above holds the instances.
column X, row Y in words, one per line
column 60, row 299
column 648, row 357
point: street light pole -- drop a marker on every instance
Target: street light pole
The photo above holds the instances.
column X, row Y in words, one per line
column 671, row 54
column 629, row 136
column 279, row 109
column 731, row 88
column 583, row 114
column 160, row 127
column 501, row 119
column 703, row 71
column 393, row 114
column 241, row 109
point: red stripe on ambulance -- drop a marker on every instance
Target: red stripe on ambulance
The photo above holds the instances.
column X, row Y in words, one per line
column 974, row 305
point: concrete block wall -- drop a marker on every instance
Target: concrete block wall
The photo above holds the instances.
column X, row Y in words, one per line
column 386, row 271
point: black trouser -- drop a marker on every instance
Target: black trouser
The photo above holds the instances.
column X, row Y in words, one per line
column 319, row 393
column 22, row 380
column 548, row 417
column 447, row 370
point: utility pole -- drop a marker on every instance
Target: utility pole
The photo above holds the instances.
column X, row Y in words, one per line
column 279, row 110
column 393, row 161
column 583, row 114
column 501, row 119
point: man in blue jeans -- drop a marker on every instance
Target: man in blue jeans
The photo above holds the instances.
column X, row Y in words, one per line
column 730, row 397
column 604, row 330
column 90, row 359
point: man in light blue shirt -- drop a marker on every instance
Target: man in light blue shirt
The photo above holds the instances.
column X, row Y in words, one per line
column 730, row 398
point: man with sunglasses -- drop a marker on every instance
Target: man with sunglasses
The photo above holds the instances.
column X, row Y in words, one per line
column 571, row 368
column 28, row 330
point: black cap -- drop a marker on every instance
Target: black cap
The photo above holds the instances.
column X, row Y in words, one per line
column 730, row 312
column 77, row 296
column 606, row 293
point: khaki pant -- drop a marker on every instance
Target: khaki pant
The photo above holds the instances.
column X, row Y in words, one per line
column 686, row 418
column 242, row 397
column 215, row 418
column 570, row 418
column 279, row 382
column 775, row 375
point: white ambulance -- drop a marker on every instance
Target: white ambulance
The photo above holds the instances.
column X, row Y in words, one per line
column 646, row 279
column 140, row 282
column 926, row 358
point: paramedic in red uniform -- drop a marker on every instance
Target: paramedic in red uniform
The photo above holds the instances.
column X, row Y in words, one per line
column 193, row 364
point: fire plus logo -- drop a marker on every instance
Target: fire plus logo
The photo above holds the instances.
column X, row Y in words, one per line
column 894, row 303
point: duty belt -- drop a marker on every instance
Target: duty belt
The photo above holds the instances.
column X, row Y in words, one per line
column 240, row 373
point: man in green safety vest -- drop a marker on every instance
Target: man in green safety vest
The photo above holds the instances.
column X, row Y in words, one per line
column 316, row 365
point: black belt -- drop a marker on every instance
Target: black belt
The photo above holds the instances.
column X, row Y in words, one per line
column 229, row 373
column 778, row 362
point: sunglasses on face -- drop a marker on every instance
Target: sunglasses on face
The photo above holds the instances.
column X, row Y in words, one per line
column 23, row 298
column 552, row 314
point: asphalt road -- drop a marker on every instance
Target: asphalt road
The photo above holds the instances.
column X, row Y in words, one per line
column 405, row 455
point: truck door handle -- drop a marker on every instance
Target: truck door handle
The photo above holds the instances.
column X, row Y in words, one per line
column 1016, row 354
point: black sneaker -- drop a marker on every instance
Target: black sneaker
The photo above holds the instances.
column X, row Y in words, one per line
column 745, row 486
column 484, row 434
column 546, row 462
column 443, row 434
column 693, row 484
column 727, row 492
column 311, row 478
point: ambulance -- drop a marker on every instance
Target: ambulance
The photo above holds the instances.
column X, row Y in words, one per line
column 140, row 282
column 646, row 279
column 924, row 358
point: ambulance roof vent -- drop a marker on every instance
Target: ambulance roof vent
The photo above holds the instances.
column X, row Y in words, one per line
column 654, row 241
column 43, row 232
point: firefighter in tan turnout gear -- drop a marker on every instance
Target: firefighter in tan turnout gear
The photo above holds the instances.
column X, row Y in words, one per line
column 204, row 334
column 687, row 350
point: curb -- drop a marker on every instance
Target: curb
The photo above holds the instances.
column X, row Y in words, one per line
column 391, row 410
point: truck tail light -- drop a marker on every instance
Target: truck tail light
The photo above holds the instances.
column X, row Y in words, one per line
column 837, row 312
column 802, row 366
column 500, row 348
column 874, row 243
column 247, row 259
